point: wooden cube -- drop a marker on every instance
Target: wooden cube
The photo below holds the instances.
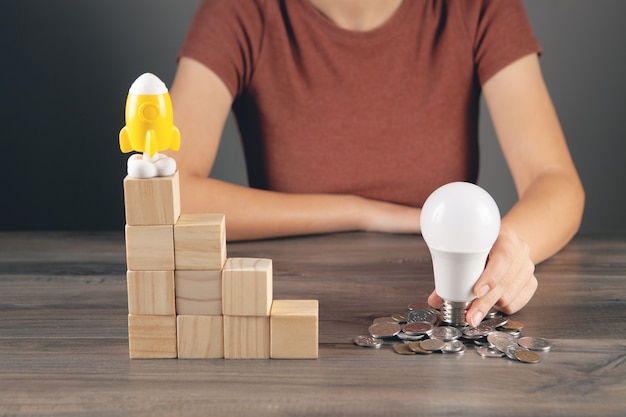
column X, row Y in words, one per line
column 152, row 201
column 200, row 337
column 150, row 248
column 294, row 329
column 151, row 293
column 247, row 287
column 246, row 337
column 152, row 337
column 200, row 241
column 198, row 292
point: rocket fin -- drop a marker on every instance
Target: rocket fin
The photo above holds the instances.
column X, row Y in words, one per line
column 125, row 145
column 175, row 142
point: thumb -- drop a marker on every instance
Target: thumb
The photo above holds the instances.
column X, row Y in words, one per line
column 434, row 300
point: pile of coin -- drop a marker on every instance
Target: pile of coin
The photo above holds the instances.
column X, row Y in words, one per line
column 420, row 331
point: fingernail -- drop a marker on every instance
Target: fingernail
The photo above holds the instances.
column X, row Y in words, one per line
column 476, row 318
column 483, row 291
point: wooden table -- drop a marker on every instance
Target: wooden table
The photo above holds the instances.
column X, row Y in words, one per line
column 64, row 346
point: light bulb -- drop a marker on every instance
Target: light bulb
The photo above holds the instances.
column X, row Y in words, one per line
column 460, row 222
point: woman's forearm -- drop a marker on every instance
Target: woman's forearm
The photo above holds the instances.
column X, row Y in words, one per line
column 548, row 213
column 258, row 214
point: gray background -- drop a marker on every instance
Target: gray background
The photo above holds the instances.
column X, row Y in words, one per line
column 67, row 65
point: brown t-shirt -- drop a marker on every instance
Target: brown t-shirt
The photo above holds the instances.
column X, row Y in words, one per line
column 390, row 113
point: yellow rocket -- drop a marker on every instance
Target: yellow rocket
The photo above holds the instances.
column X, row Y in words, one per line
column 149, row 118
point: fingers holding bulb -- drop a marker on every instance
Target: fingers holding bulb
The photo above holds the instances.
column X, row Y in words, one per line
column 434, row 300
column 508, row 281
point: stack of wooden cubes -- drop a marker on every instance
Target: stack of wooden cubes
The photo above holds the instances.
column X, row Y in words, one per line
column 186, row 299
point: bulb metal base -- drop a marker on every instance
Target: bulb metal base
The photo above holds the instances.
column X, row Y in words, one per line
column 453, row 312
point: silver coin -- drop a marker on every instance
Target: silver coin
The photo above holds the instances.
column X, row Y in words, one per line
column 475, row 332
column 515, row 333
column 489, row 325
column 511, row 351
column 472, row 338
column 489, row 352
column 406, row 337
column 494, row 322
column 445, row 333
column 482, row 342
column 384, row 330
column 486, row 328
column 427, row 315
column 431, row 344
column 368, row 341
column 503, row 344
column 494, row 336
column 417, row 328
column 535, row 343
column 453, row 346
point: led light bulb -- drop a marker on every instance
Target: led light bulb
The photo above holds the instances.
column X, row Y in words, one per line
column 460, row 222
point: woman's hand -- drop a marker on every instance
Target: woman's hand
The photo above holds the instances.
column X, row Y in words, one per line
column 508, row 281
column 380, row 216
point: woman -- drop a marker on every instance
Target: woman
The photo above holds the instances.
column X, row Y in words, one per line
column 352, row 111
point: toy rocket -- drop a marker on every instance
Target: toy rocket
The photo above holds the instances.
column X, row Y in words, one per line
column 149, row 118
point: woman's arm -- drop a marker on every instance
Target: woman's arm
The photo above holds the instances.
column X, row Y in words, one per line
column 201, row 104
column 551, row 196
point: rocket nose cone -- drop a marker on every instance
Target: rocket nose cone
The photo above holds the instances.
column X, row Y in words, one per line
column 148, row 84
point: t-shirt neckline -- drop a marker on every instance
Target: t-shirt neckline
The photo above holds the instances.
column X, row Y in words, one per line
column 381, row 32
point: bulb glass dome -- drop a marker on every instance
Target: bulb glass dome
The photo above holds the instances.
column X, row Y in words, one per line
column 460, row 217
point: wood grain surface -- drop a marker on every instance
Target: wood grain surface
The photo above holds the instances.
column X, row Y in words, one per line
column 64, row 343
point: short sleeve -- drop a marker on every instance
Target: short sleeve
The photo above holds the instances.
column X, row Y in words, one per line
column 501, row 33
column 226, row 36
